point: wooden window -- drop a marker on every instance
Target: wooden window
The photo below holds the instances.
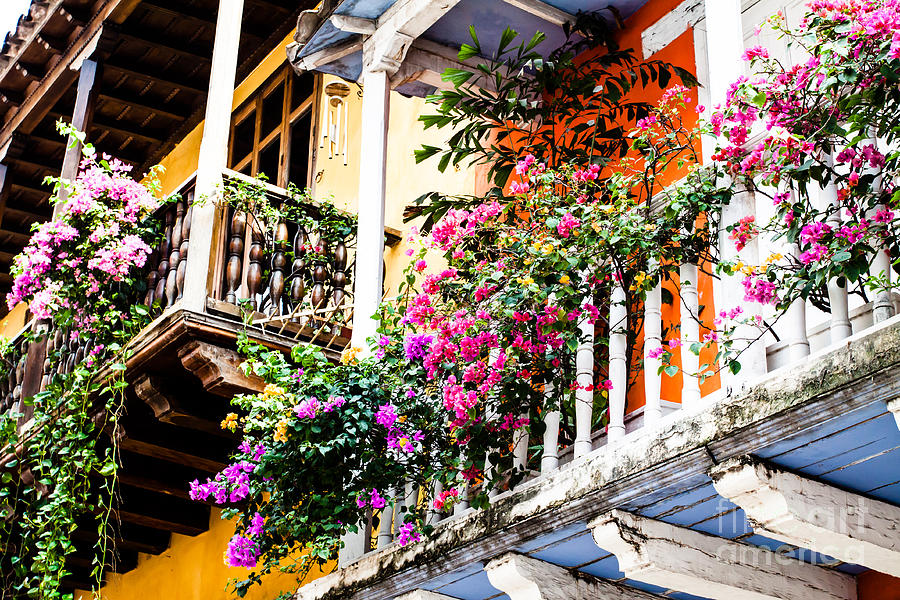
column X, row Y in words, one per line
column 272, row 132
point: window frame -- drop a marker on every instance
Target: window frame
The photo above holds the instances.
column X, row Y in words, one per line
column 252, row 107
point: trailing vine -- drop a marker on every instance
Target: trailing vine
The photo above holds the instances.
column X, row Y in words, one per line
column 81, row 275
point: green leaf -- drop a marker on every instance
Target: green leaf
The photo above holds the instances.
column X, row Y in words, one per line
column 671, row 370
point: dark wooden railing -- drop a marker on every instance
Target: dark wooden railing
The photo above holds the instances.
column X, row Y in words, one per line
column 39, row 354
column 283, row 270
column 168, row 263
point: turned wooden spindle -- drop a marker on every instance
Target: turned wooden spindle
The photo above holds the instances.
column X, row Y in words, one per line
column 298, row 269
column 319, row 273
column 255, row 269
column 54, row 340
column 235, row 256
column 183, row 252
column 279, row 263
column 152, row 277
column 174, row 253
column 339, row 274
column 19, row 377
column 163, row 269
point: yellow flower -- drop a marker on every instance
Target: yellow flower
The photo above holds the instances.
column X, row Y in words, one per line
column 565, row 279
column 349, row 355
column 547, row 249
column 230, row 422
column 281, row 431
column 597, row 226
column 527, row 281
column 273, row 390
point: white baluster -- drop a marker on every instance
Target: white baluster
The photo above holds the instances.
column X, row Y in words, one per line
column 795, row 317
column 837, row 294
column 462, row 504
column 652, row 341
column 385, row 532
column 618, row 367
column 883, row 306
column 433, row 516
column 584, row 398
column 690, row 334
column 520, row 448
column 550, row 456
column 490, row 471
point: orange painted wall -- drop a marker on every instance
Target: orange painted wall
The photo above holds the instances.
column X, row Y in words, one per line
column 872, row 585
column 680, row 52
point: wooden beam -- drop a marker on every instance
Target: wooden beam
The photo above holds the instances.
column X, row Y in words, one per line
column 219, row 369
column 26, row 215
column 29, row 186
column 688, row 561
column 524, row 578
column 34, row 161
column 89, row 78
column 127, row 130
column 402, row 23
column 144, row 103
column 154, row 485
column 169, row 455
column 32, row 71
column 12, row 98
column 542, row 10
column 158, row 523
column 426, row 61
column 328, row 55
column 5, row 185
column 352, row 24
column 133, row 539
column 157, row 40
column 52, row 44
column 156, row 394
column 814, row 515
column 174, row 81
column 17, row 238
column 204, row 17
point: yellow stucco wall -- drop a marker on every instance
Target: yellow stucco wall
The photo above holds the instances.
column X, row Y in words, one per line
column 406, row 180
column 193, row 568
column 14, row 321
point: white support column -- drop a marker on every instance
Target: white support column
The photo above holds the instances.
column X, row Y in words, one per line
column 813, row 515
column 524, row 578
column 368, row 287
column 584, row 399
column 550, row 456
column 711, row 567
column 652, row 341
column 618, row 367
column 690, row 334
column 213, row 156
column 725, row 47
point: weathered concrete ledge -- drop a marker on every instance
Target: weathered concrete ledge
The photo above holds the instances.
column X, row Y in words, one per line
column 858, row 373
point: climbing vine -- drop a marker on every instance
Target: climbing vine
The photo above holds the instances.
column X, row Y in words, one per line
column 81, row 275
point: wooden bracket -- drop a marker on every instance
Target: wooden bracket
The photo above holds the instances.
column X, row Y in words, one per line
column 218, row 369
column 153, row 391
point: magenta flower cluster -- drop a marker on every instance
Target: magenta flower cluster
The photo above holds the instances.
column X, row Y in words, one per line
column 94, row 243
